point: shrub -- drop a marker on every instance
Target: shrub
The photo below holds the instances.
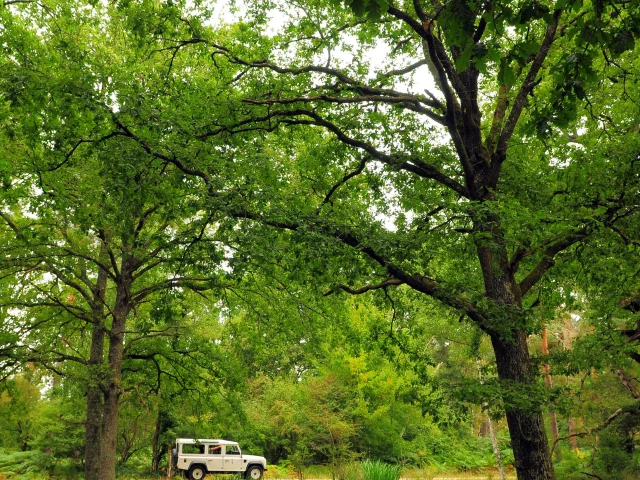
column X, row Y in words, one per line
column 25, row 464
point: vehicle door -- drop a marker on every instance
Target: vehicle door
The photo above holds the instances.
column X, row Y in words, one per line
column 214, row 458
column 232, row 458
column 190, row 453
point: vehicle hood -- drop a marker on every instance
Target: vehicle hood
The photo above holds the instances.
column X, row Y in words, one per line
column 254, row 458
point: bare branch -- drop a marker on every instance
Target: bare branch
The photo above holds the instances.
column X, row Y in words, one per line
column 405, row 70
column 626, row 381
column 294, row 71
column 12, row 2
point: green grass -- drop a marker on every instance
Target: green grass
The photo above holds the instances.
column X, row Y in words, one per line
column 377, row 470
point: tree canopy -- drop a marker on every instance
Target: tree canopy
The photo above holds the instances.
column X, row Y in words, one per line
column 199, row 199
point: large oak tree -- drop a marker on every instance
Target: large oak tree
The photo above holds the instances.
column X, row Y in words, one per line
column 478, row 171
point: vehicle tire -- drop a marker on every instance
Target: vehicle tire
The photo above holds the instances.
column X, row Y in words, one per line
column 254, row 472
column 197, row 472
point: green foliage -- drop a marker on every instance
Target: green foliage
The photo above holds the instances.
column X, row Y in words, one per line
column 372, row 9
column 617, row 454
column 142, row 127
column 25, row 465
column 377, row 470
column 19, row 398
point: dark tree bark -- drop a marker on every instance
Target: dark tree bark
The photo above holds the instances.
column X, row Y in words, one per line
column 553, row 420
column 528, row 435
column 123, row 305
column 155, row 458
column 93, row 424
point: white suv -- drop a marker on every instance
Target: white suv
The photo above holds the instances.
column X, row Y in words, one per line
column 202, row 456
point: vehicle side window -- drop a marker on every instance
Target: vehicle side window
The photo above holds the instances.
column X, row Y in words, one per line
column 232, row 450
column 192, row 449
column 214, row 449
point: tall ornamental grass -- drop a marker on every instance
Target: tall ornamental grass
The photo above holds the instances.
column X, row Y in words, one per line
column 380, row 471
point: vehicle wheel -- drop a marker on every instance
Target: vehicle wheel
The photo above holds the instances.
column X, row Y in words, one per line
column 197, row 472
column 254, row 473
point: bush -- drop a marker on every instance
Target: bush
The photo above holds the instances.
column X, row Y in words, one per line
column 380, row 471
column 25, row 464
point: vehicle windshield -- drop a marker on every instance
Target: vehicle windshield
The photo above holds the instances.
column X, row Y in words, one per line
column 232, row 450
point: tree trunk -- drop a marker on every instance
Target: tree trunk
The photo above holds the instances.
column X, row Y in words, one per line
column 492, row 430
column 93, row 424
column 113, row 390
column 484, row 428
column 111, row 399
column 528, row 435
column 553, row 421
column 573, row 440
column 155, row 454
column 532, row 457
column 496, row 447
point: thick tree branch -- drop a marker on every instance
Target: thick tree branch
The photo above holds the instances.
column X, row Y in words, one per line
column 502, row 103
column 526, row 88
column 412, row 164
column 406, row 18
column 548, row 258
column 419, row 282
column 439, row 292
column 452, row 108
column 626, row 381
column 405, row 70
column 416, row 281
column 344, row 180
column 410, row 102
column 365, row 289
column 196, row 284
